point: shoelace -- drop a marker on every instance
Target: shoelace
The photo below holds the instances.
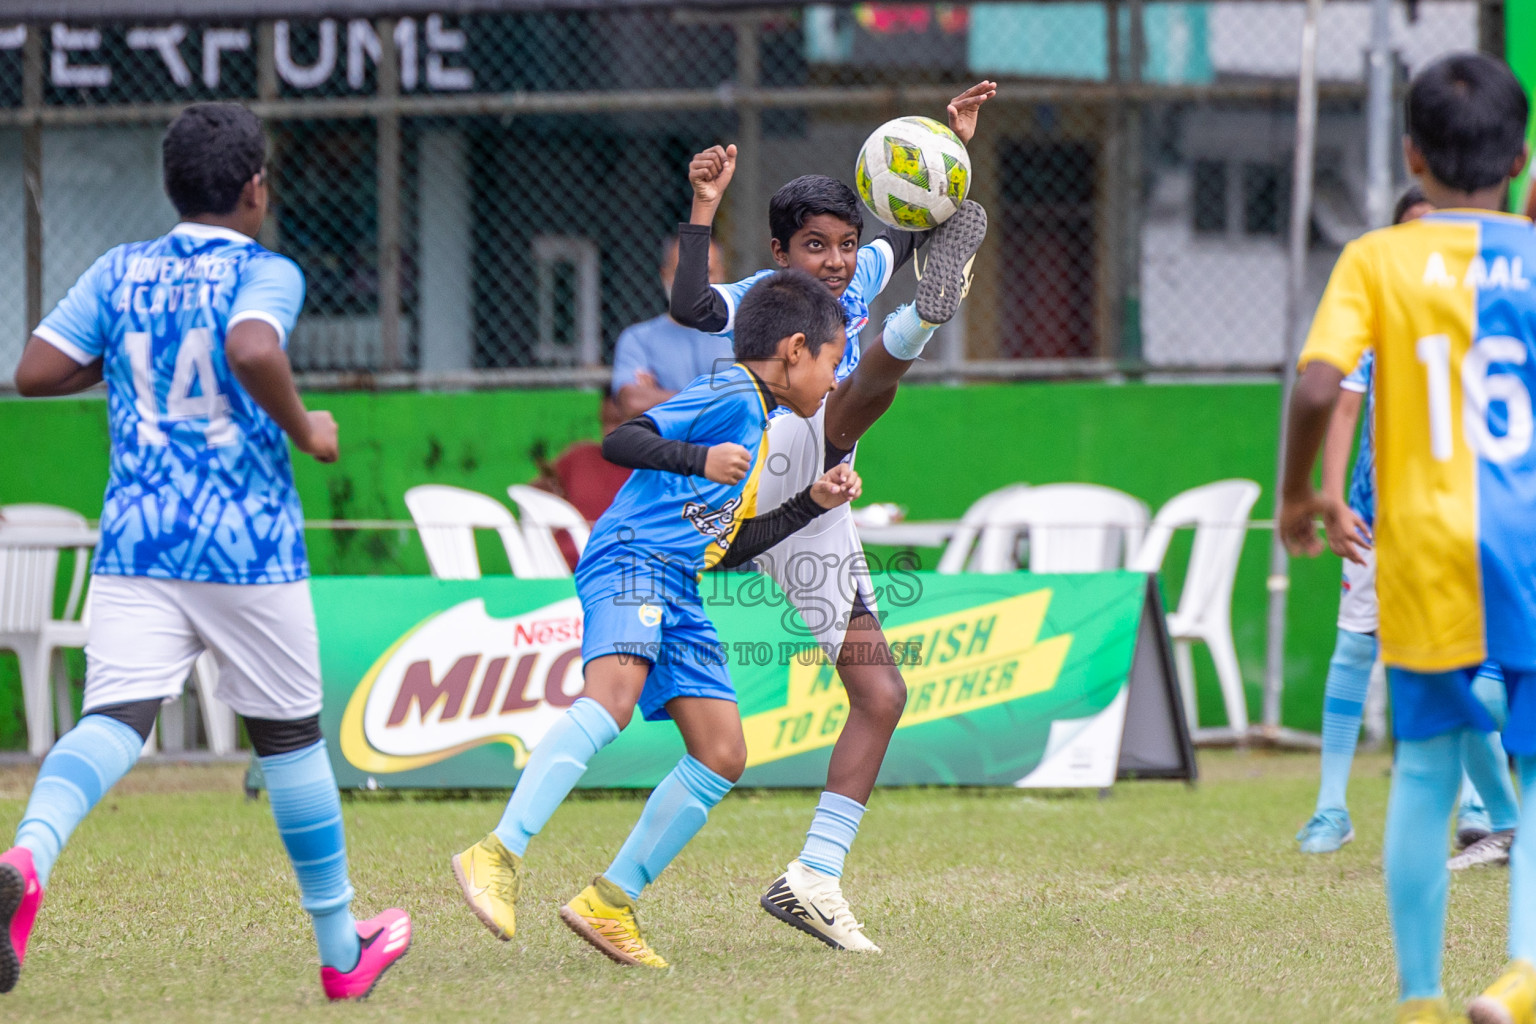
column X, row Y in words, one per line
column 841, row 912
column 505, row 883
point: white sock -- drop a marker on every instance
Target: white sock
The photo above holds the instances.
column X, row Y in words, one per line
column 906, row 333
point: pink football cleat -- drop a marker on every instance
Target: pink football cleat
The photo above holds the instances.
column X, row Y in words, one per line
column 385, row 940
column 20, row 896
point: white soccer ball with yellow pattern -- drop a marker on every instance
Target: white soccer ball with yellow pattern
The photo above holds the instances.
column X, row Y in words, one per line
column 913, row 173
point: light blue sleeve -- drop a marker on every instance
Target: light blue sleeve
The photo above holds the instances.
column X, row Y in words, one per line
column 1359, row 379
column 872, row 272
column 628, row 357
column 76, row 326
column 733, row 294
column 271, row 290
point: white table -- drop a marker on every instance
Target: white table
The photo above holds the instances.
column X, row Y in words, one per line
column 930, row 534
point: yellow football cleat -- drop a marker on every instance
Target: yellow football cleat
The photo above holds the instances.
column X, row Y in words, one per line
column 1510, row 1000
column 604, row 916
column 1427, row 1011
column 491, row 877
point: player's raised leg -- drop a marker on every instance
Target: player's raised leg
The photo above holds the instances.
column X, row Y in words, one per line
column 490, row 872
column 809, row 894
column 944, row 278
column 604, row 913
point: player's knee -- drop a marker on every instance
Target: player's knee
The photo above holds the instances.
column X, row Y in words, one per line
column 273, row 736
column 726, row 756
column 887, row 699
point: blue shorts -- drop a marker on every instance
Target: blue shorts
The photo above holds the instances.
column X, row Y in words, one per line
column 1429, row 704
column 677, row 638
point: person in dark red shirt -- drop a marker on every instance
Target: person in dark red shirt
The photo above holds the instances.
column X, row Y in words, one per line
column 583, row 477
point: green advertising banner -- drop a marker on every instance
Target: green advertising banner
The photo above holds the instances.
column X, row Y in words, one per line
column 1012, row 680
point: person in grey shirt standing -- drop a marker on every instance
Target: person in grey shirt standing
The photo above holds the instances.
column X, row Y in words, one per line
column 657, row 358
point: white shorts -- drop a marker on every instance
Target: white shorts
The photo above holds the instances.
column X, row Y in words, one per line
column 145, row 633
column 821, row 568
column 1358, row 611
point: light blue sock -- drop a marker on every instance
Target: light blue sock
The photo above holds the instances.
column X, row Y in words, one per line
column 831, row 835
column 557, row 763
column 307, row 810
column 85, row 763
column 673, row 815
column 905, row 333
column 1349, row 676
column 1522, row 871
column 1425, row 778
column 1483, row 759
column 1487, row 766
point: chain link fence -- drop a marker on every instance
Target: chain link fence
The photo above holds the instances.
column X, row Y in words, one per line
column 481, row 199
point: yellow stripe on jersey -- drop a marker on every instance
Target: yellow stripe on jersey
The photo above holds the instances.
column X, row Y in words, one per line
column 1408, row 292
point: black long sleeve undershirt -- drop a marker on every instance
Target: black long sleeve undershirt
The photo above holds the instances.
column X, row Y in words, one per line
column 760, row 533
column 638, row 445
column 695, row 304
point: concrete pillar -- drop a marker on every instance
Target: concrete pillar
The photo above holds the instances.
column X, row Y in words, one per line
column 445, row 307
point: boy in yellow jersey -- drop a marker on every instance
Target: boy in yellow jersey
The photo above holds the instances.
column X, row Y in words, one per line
column 1447, row 307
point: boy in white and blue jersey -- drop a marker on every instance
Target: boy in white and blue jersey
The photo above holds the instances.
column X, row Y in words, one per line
column 690, row 506
column 814, row 223
column 1484, row 827
column 202, row 536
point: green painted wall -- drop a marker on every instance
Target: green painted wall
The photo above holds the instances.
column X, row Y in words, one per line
column 936, row 450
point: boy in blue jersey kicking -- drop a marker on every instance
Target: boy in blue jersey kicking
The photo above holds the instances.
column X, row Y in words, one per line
column 202, row 537
column 814, row 222
column 1484, row 828
column 1447, row 306
column 691, row 506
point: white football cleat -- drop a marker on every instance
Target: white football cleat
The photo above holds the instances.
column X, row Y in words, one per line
column 814, row 903
column 1492, row 849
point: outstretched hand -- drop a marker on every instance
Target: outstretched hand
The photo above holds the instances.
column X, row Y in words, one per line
column 710, row 173
column 964, row 108
column 837, row 486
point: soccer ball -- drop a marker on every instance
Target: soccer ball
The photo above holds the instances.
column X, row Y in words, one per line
column 913, row 173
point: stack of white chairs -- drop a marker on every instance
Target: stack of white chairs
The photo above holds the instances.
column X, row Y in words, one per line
column 961, row 553
column 31, row 540
column 540, row 514
column 1068, row 528
column 447, row 518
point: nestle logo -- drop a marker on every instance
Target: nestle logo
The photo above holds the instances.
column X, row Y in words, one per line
column 549, row 631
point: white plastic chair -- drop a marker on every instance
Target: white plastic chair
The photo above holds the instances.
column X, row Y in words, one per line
column 31, row 537
column 447, row 517
column 960, row 554
column 1219, row 513
column 1071, row 528
column 540, row 514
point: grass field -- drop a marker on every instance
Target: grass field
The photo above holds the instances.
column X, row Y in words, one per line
column 1158, row 903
